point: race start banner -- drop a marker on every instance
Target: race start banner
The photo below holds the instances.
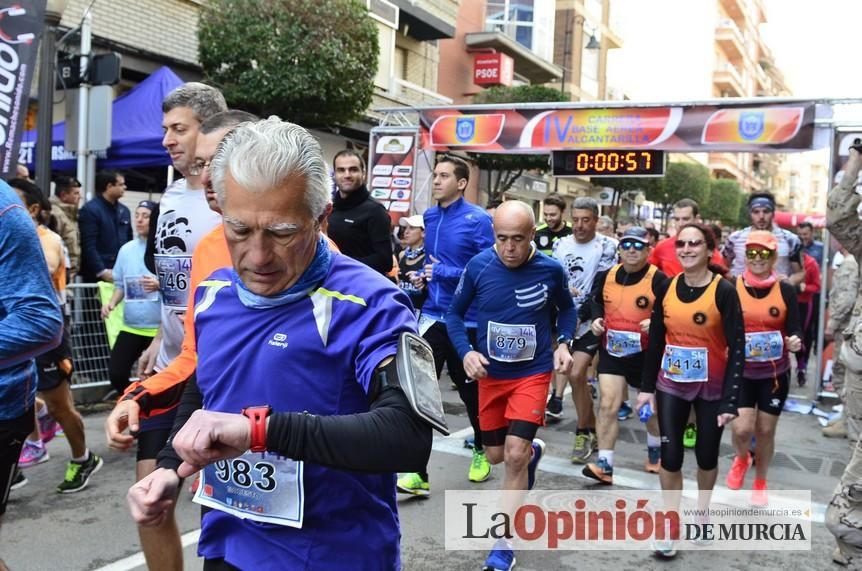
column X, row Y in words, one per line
column 392, row 169
column 692, row 128
column 21, row 28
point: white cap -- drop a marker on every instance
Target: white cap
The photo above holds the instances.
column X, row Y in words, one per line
column 416, row 221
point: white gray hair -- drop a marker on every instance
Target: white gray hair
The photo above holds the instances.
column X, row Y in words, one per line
column 261, row 156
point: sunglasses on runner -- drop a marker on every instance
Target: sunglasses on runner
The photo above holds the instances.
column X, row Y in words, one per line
column 629, row 244
column 690, row 243
column 753, row 254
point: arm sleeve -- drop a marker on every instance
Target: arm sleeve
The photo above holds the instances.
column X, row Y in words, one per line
column 192, row 400
column 91, row 258
column 32, row 322
column 793, row 325
column 842, row 297
column 402, row 441
column 597, row 299
column 567, row 319
column 461, row 301
column 378, row 231
column 730, row 309
column 150, row 252
column 655, row 349
column 842, row 219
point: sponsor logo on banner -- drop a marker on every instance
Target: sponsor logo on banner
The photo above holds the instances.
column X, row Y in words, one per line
column 467, row 130
column 399, row 206
column 401, row 182
column 600, row 128
column 382, row 170
column 381, row 181
column 626, row 520
column 380, row 193
column 21, row 23
column 402, row 170
column 394, row 144
column 753, row 126
column 400, row 194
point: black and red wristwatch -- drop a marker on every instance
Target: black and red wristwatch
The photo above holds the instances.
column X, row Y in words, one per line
column 257, row 416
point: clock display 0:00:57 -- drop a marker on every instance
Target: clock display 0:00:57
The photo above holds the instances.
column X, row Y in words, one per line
column 609, row 163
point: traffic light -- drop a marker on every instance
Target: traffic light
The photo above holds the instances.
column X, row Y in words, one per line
column 104, row 69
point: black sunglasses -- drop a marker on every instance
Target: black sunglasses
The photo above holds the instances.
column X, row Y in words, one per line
column 690, row 243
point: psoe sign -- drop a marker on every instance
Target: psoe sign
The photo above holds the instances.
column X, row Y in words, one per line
column 493, row 69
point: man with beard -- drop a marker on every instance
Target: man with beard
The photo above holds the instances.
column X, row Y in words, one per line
column 359, row 225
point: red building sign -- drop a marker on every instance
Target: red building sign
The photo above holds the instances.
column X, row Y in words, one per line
column 493, row 69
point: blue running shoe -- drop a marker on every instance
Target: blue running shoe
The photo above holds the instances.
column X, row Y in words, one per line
column 501, row 558
column 625, row 412
column 538, row 452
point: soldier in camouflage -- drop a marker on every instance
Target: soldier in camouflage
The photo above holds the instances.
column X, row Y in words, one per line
column 842, row 295
column 844, row 514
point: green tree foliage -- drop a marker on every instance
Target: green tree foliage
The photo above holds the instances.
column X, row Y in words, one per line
column 723, row 202
column 504, row 170
column 682, row 180
column 312, row 62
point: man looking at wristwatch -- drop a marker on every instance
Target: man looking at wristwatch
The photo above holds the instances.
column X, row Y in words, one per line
column 311, row 334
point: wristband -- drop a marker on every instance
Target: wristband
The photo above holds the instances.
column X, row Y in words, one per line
column 257, row 417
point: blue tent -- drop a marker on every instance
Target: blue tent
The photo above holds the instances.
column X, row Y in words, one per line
column 136, row 130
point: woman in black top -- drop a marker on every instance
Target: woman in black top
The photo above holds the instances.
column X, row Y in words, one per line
column 412, row 259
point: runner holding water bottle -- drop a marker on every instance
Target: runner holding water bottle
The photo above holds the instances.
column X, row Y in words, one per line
column 621, row 304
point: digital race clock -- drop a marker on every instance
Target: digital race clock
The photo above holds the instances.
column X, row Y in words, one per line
column 608, row 163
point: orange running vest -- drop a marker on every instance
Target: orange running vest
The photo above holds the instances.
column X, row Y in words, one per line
column 627, row 305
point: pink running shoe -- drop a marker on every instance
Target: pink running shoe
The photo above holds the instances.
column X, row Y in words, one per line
column 32, row 454
column 49, row 428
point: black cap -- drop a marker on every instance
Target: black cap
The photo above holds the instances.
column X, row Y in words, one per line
column 637, row 234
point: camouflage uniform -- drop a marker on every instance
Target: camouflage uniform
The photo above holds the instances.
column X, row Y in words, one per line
column 842, row 295
column 844, row 514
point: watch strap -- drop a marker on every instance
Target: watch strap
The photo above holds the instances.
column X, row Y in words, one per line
column 257, row 418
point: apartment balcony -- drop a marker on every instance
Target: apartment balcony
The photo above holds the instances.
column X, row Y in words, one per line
column 527, row 64
column 404, row 93
column 730, row 40
column 728, row 80
column 725, row 165
column 736, row 9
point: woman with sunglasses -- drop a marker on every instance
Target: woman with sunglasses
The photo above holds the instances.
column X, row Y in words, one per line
column 772, row 328
column 695, row 358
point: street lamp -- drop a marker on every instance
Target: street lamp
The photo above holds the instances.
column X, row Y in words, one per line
column 592, row 44
column 45, row 115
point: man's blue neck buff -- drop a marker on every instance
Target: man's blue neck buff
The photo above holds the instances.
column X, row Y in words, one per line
column 308, row 282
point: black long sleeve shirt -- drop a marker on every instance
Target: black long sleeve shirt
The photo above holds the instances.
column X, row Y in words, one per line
column 359, row 226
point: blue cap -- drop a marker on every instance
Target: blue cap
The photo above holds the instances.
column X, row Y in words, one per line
column 148, row 204
column 637, row 234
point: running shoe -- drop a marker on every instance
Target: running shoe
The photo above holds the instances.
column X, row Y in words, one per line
column 800, row 377
column 664, row 548
column 19, row 480
column 601, row 471
column 78, row 474
column 625, row 412
column 501, row 557
column 736, row 474
column 759, row 494
column 49, row 428
column 653, row 462
column 538, row 451
column 555, row 407
column 32, row 454
column 583, row 448
column 413, row 484
column 480, row 468
column 689, row 437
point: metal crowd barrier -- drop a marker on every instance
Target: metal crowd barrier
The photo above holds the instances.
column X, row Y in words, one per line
column 89, row 339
